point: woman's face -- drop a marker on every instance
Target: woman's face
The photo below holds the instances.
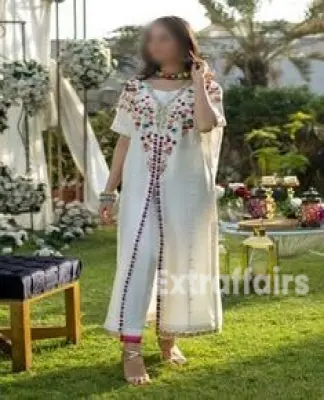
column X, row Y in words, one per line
column 162, row 46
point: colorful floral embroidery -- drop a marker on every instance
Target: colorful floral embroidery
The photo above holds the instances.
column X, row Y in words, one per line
column 185, row 111
column 144, row 110
column 127, row 97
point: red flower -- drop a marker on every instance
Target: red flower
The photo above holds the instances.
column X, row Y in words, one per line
column 242, row 192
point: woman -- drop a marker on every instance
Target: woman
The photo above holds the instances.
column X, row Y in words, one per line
column 170, row 119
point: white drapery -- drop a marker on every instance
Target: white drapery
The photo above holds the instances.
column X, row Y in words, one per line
column 37, row 14
column 72, row 125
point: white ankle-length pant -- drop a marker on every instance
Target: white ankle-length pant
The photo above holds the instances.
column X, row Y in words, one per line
column 139, row 289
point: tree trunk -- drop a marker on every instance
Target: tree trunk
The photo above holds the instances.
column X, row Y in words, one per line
column 256, row 73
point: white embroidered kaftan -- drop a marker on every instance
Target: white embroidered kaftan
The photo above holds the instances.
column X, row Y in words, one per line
column 168, row 213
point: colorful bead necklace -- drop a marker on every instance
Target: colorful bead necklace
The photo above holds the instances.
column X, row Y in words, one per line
column 173, row 76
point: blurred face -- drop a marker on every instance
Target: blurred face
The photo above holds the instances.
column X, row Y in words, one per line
column 162, row 47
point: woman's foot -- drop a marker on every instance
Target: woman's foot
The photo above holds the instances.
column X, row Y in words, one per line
column 171, row 352
column 134, row 367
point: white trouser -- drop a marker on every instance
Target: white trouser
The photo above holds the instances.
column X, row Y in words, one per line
column 139, row 288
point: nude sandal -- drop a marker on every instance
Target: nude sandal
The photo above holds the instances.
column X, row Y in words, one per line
column 171, row 352
column 133, row 359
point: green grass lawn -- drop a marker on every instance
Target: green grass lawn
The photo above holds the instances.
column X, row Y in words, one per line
column 271, row 348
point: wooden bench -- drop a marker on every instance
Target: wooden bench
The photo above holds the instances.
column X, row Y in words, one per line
column 25, row 280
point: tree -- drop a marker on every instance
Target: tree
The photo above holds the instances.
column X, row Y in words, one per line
column 124, row 44
column 259, row 45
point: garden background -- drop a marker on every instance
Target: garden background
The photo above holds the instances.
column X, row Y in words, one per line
column 272, row 346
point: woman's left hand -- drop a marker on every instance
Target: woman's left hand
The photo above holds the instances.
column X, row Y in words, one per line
column 199, row 72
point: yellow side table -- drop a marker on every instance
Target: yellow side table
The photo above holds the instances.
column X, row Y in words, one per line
column 260, row 241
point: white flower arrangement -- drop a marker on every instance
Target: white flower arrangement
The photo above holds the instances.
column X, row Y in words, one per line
column 87, row 63
column 19, row 194
column 11, row 235
column 47, row 251
column 4, row 106
column 71, row 221
column 26, row 82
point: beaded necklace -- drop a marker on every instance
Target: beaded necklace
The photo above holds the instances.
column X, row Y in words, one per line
column 173, row 76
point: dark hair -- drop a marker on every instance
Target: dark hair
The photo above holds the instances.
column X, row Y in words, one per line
column 183, row 34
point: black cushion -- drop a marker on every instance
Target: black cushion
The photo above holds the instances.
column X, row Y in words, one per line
column 22, row 278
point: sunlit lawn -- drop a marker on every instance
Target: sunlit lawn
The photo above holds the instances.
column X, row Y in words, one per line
column 271, row 348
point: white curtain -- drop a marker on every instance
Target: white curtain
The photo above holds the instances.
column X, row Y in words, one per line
column 37, row 14
column 72, row 125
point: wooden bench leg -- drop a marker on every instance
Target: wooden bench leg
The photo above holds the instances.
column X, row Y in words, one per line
column 20, row 336
column 72, row 313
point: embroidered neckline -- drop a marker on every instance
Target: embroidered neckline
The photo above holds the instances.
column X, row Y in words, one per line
column 176, row 95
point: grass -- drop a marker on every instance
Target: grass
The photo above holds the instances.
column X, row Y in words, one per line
column 271, row 347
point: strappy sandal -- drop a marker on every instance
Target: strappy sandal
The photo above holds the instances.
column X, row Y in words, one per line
column 171, row 352
column 133, row 360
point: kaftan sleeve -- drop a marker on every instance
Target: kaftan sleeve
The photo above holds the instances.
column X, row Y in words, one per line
column 123, row 122
column 215, row 93
column 211, row 142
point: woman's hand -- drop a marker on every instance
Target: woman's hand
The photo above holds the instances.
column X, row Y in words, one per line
column 199, row 72
column 205, row 117
column 106, row 212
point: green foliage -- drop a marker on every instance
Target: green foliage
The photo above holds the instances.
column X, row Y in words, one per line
column 275, row 149
column 252, row 108
column 263, row 137
column 267, row 160
column 272, row 118
column 292, row 162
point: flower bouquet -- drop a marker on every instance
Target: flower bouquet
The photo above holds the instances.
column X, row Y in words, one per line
column 19, row 194
column 27, row 82
column 232, row 203
column 87, row 63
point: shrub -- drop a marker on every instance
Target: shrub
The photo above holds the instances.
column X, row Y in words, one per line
column 248, row 109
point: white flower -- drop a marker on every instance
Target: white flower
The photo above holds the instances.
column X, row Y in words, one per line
column 7, row 250
column 19, row 242
column 235, row 185
column 220, row 191
column 44, row 252
column 18, row 194
column 78, row 231
column 51, row 229
column 39, row 242
column 295, row 202
column 68, row 235
column 27, row 82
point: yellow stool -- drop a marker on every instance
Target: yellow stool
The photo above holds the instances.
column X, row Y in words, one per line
column 260, row 241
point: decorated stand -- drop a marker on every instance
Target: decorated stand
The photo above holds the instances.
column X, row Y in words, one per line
column 295, row 224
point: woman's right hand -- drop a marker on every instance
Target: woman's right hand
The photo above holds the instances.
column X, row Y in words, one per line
column 106, row 212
